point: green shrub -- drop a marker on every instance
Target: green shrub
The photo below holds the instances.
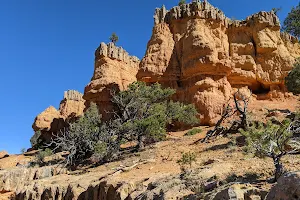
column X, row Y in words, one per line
column 84, row 138
column 23, row 150
column 40, row 157
column 142, row 114
column 114, row 38
column 35, row 140
column 194, row 131
column 292, row 81
column 187, row 159
column 271, row 140
column 145, row 111
column 232, row 177
column 292, row 22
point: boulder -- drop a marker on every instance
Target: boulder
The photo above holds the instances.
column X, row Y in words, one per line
column 287, row 187
column 51, row 120
column 237, row 192
column 3, row 154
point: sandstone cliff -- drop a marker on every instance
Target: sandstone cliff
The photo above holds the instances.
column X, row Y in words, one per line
column 114, row 70
column 203, row 54
column 52, row 120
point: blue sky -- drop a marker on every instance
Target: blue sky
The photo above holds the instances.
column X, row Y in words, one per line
column 47, row 47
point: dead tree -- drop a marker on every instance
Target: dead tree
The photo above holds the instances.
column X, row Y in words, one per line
column 241, row 107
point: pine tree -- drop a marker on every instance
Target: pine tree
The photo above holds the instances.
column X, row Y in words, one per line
column 292, row 22
column 114, row 38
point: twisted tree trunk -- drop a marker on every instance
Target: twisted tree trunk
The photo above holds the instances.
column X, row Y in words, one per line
column 279, row 169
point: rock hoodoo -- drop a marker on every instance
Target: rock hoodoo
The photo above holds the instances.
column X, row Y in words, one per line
column 52, row 120
column 114, row 70
column 203, row 54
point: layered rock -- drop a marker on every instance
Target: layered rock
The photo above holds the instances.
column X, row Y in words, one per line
column 17, row 178
column 261, row 58
column 72, row 104
column 114, row 70
column 52, row 120
column 238, row 191
column 49, row 120
column 203, row 54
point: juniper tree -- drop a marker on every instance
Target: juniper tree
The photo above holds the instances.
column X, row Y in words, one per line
column 142, row 113
column 272, row 140
column 114, row 38
column 35, row 140
column 292, row 22
column 145, row 111
column 84, row 138
column 292, row 81
column 181, row 2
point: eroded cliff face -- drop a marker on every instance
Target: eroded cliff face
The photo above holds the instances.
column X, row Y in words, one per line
column 114, row 70
column 201, row 53
column 52, row 120
column 204, row 55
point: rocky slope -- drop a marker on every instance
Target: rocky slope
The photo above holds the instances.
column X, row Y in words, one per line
column 203, row 54
column 52, row 120
column 221, row 171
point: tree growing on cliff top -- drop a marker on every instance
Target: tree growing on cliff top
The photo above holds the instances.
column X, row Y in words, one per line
column 292, row 81
column 292, row 22
column 276, row 10
column 181, row 2
column 114, row 38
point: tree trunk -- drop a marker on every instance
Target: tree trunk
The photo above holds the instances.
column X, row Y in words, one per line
column 279, row 170
column 141, row 141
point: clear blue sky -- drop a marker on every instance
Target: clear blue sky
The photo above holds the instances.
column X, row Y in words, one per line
column 47, row 47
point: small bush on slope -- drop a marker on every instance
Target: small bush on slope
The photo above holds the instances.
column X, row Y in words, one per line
column 194, row 131
column 187, row 159
column 40, row 157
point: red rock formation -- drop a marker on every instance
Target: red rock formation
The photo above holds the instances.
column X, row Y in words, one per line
column 3, row 154
column 52, row 120
column 114, row 71
column 203, row 54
